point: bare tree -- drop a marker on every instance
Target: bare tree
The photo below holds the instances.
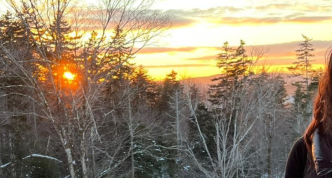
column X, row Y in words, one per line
column 248, row 134
column 72, row 105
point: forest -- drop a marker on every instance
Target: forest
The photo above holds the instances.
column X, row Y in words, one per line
column 74, row 104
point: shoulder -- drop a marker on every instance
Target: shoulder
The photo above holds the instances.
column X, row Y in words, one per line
column 300, row 145
column 299, row 149
column 297, row 159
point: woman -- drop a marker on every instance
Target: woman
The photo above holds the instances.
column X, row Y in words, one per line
column 311, row 155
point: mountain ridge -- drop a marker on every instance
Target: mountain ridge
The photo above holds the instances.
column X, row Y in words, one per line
column 204, row 82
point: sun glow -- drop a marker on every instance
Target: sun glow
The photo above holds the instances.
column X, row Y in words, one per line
column 69, row 76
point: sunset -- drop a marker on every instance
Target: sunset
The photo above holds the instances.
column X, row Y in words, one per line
column 165, row 89
column 199, row 29
column 69, row 76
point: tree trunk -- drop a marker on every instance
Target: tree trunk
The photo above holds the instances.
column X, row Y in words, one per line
column 178, row 135
column 93, row 155
column 131, row 138
column 219, row 150
column 83, row 164
column 35, row 122
column 306, row 73
column 67, row 146
column 83, row 157
column 1, row 152
column 269, row 148
column 2, row 134
column 70, row 162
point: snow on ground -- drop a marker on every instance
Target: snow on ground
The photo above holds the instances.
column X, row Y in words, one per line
column 42, row 156
column 35, row 156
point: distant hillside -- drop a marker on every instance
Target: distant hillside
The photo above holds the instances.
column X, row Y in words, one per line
column 204, row 82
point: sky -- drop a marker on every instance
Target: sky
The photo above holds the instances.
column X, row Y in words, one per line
column 200, row 28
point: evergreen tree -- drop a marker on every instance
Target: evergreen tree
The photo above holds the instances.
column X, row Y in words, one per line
column 169, row 86
column 22, row 130
column 119, row 57
column 76, row 115
column 225, row 95
column 117, row 69
column 303, row 65
column 206, row 123
column 235, row 69
column 170, row 93
column 145, row 88
column 306, row 87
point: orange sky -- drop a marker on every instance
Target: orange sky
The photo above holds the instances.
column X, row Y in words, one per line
column 201, row 27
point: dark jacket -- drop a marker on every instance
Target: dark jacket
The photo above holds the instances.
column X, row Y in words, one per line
column 300, row 165
column 297, row 159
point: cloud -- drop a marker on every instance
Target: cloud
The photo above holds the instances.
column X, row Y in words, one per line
column 299, row 7
column 245, row 20
column 306, row 19
column 284, row 53
column 281, row 54
column 272, row 7
column 292, row 46
column 203, row 58
column 215, row 11
column 151, row 50
column 178, row 22
column 265, row 14
column 177, row 66
column 183, row 18
column 268, row 20
column 128, row 17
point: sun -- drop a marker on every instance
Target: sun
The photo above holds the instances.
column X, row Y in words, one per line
column 69, row 76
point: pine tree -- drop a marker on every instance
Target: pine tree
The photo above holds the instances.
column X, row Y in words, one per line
column 235, row 69
column 206, row 122
column 76, row 116
column 21, row 130
column 306, row 87
column 145, row 88
column 120, row 56
column 116, row 67
column 303, row 65
column 168, row 88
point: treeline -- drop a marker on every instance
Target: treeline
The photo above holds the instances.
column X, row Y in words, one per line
column 108, row 118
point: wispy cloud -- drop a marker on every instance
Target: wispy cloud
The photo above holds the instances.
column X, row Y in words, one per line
column 193, row 13
column 245, row 20
column 295, row 7
column 309, row 19
column 278, row 56
column 283, row 53
column 178, row 22
column 229, row 15
column 183, row 18
column 265, row 14
column 268, row 20
column 178, row 66
column 151, row 50
column 203, row 58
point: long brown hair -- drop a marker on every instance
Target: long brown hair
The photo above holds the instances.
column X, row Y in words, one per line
column 322, row 118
